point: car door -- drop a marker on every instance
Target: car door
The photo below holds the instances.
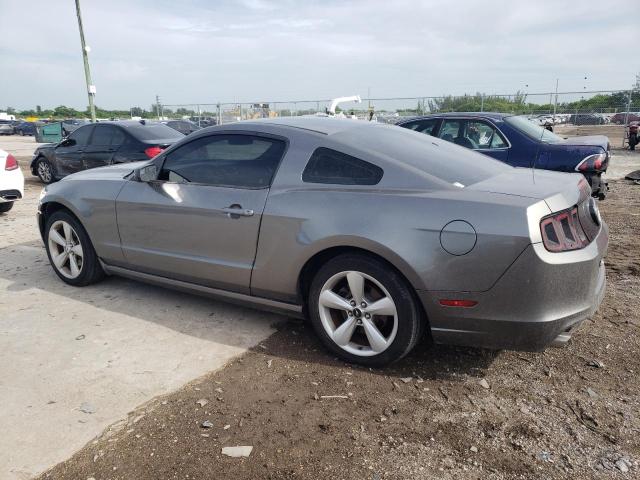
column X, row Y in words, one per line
column 102, row 146
column 199, row 220
column 69, row 152
column 486, row 139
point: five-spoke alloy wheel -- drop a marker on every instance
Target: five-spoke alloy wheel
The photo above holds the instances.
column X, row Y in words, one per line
column 364, row 310
column 70, row 251
column 65, row 248
column 45, row 172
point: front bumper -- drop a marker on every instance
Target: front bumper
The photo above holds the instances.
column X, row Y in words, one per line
column 539, row 301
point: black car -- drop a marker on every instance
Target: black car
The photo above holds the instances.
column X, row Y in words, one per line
column 183, row 126
column 100, row 144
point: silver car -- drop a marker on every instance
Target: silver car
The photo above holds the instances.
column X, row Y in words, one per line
column 376, row 233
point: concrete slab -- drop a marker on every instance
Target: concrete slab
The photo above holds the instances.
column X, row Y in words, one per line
column 623, row 162
column 104, row 349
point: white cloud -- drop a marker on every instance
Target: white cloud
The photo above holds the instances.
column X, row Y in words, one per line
column 268, row 50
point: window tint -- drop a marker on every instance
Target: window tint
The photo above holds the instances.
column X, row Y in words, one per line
column 423, row 126
column 330, row 166
column 107, row 135
column 154, row 131
column 81, row 135
column 241, row 161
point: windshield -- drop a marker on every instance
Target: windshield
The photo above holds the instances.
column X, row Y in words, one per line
column 532, row 130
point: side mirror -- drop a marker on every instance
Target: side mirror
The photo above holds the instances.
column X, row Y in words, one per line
column 67, row 142
column 148, row 173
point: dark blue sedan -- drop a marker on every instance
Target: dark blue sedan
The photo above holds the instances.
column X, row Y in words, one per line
column 515, row 140
column 25, row 128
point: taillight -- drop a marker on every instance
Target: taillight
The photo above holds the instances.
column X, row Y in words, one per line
column 152, row 151
column 597, row 162
column 11, row 163
column 562, row 231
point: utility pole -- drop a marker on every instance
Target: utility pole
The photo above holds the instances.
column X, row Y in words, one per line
column 158, row 106
column 555, row 104
column 91, row 89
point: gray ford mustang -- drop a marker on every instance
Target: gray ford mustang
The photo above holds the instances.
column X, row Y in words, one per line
column 376, row 233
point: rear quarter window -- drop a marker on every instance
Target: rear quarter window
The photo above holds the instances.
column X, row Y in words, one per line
column 332, row 167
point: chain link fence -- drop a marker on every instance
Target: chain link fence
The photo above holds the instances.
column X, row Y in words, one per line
column 568, row 113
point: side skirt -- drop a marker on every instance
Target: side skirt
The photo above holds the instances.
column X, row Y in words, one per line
column 259, row 303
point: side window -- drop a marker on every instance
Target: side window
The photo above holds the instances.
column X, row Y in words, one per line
column 241, row 161
column 102, row 135
column 449, row 130
column 483, row 136
column 118, row 136
column 81, row 135
column 329, row 166
column 423, row 126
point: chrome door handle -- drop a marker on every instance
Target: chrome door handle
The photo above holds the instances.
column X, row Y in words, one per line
column 239, row 212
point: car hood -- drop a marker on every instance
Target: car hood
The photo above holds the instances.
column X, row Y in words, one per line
column 112, row 172
column 558, row 189
column 588, row 140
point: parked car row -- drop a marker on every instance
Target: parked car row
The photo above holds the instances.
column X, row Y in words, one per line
column 376, row 233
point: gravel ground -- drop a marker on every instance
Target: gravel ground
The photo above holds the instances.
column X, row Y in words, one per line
column 443, row 412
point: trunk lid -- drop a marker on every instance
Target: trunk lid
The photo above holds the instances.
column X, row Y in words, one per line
column 588, row 140
column 558, row 190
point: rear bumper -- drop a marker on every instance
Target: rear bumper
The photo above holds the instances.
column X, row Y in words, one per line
column 10, row 195
column 539, row 301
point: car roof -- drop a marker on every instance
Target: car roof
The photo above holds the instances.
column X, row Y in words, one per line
column 318, row 124
column 491, row 115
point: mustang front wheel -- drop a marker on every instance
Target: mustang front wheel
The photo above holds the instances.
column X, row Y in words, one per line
column 70, row 251
column 364, row 310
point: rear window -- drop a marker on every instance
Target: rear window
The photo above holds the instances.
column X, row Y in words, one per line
column 532, row 130
column 442, row 160
column 333, row 167
column 154, row 131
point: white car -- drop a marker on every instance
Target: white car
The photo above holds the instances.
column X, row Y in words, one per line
column 11, row 181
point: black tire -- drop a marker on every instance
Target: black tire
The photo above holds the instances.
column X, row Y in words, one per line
column 91, row 270
column 21, row 133
column 43, row 163
column 5, row 207
column 411, row 321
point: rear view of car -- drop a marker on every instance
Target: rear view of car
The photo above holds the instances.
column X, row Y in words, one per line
column 11, row 181
column 6, row 127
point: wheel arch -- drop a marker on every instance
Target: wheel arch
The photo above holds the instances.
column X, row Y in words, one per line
column 49, row 208
column 318, row 259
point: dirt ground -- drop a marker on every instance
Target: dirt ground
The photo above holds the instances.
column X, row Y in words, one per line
column 614, row 132
column 569, row 413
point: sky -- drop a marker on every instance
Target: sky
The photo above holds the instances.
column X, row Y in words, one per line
column 209, row 51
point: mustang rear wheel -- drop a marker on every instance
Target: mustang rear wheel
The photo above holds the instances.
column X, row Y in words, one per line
column 70, row 251
column 5, row 206
column 364, row 311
